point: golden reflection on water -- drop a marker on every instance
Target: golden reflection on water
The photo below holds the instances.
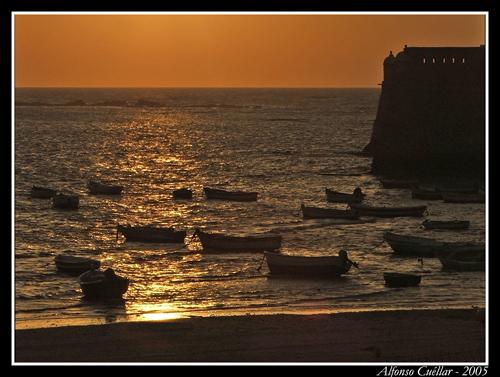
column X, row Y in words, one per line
column 152, row 153
column 155, row 312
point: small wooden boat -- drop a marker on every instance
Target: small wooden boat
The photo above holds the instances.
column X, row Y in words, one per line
column 411, row 245
column 237, row 196
column 398, row 279
column 426, row 194
column 65, row 201
column 398, row 183
column 463, row 198
column 75, row 265
column 182, row 193
column 151, row 234
column 462, row 261
column 42, row 192
column 467, row 250
column 364, row 210
column 255, row 242
column 451, row 224
column 301, row 266
column 340, row 197
column 328, row 213
column 100, row 188
column 428, row 247
column 103, row 285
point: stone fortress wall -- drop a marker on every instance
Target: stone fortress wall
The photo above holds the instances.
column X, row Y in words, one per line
column 431, row 114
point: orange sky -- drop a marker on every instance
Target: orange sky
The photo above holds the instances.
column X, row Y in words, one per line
column 224, row 50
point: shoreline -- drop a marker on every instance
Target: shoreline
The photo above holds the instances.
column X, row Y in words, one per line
column 437, row 335
column 158, row 316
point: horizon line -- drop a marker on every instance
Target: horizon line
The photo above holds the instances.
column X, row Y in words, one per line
column 196, row 87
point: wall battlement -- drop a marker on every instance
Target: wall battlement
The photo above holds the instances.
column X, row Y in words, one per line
column 431, row 111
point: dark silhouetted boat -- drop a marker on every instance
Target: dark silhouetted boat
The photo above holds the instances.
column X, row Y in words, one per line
column 42, row 192
column 411, row 245
column 328, row 213
column 151, row 234
column 237, row 196
column 65, row 201
column 100, row 188
column 75, row 265
column 463, row 198
column 398, row 183
column 305, row 266
column 182, row 193
column 458, row 260
column 428, row 247
column 365, row 210
column 253, row 242
column 426, row 194
column 450, row 224
column 103, row 285
column 340, row 197
column 398, row 279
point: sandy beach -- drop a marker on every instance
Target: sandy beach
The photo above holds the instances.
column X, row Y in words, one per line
column 385, row 336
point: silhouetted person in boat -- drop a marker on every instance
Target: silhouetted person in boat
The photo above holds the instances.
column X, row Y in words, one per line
column 357, row 192
column 343, row 255
column 110, row 274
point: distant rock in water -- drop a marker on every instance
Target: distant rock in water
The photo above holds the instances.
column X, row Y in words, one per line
column 431, row 113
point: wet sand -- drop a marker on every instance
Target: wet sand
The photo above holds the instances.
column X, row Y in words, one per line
column 391, row 336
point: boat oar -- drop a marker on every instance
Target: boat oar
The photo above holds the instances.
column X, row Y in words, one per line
column 353, row 263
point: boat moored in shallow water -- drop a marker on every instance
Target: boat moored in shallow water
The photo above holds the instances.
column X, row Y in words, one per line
column 103, row 285
column 340, row 197
column 151, row 234
column 305, row 266
column 100, row 188
column 446, row 224
column 75, row 265
column 365, row 210
column 252, row 242
column 237, row 196
column 328, row 213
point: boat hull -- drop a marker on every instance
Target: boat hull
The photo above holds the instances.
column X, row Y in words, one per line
column 61, row 201
column 417, row 211
column 42, row 192
column 182, row 194
column 152, row 235
column 340, row 197
column 211, row 241
column 409, row 245
column 75, row 265
column 463, row 198
column 427, row 247
column 285, row 265
column 328, row 213
column 451, row 225
column 236, row 196
column 96, row 188
column 106, row 289
column 457, row 265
